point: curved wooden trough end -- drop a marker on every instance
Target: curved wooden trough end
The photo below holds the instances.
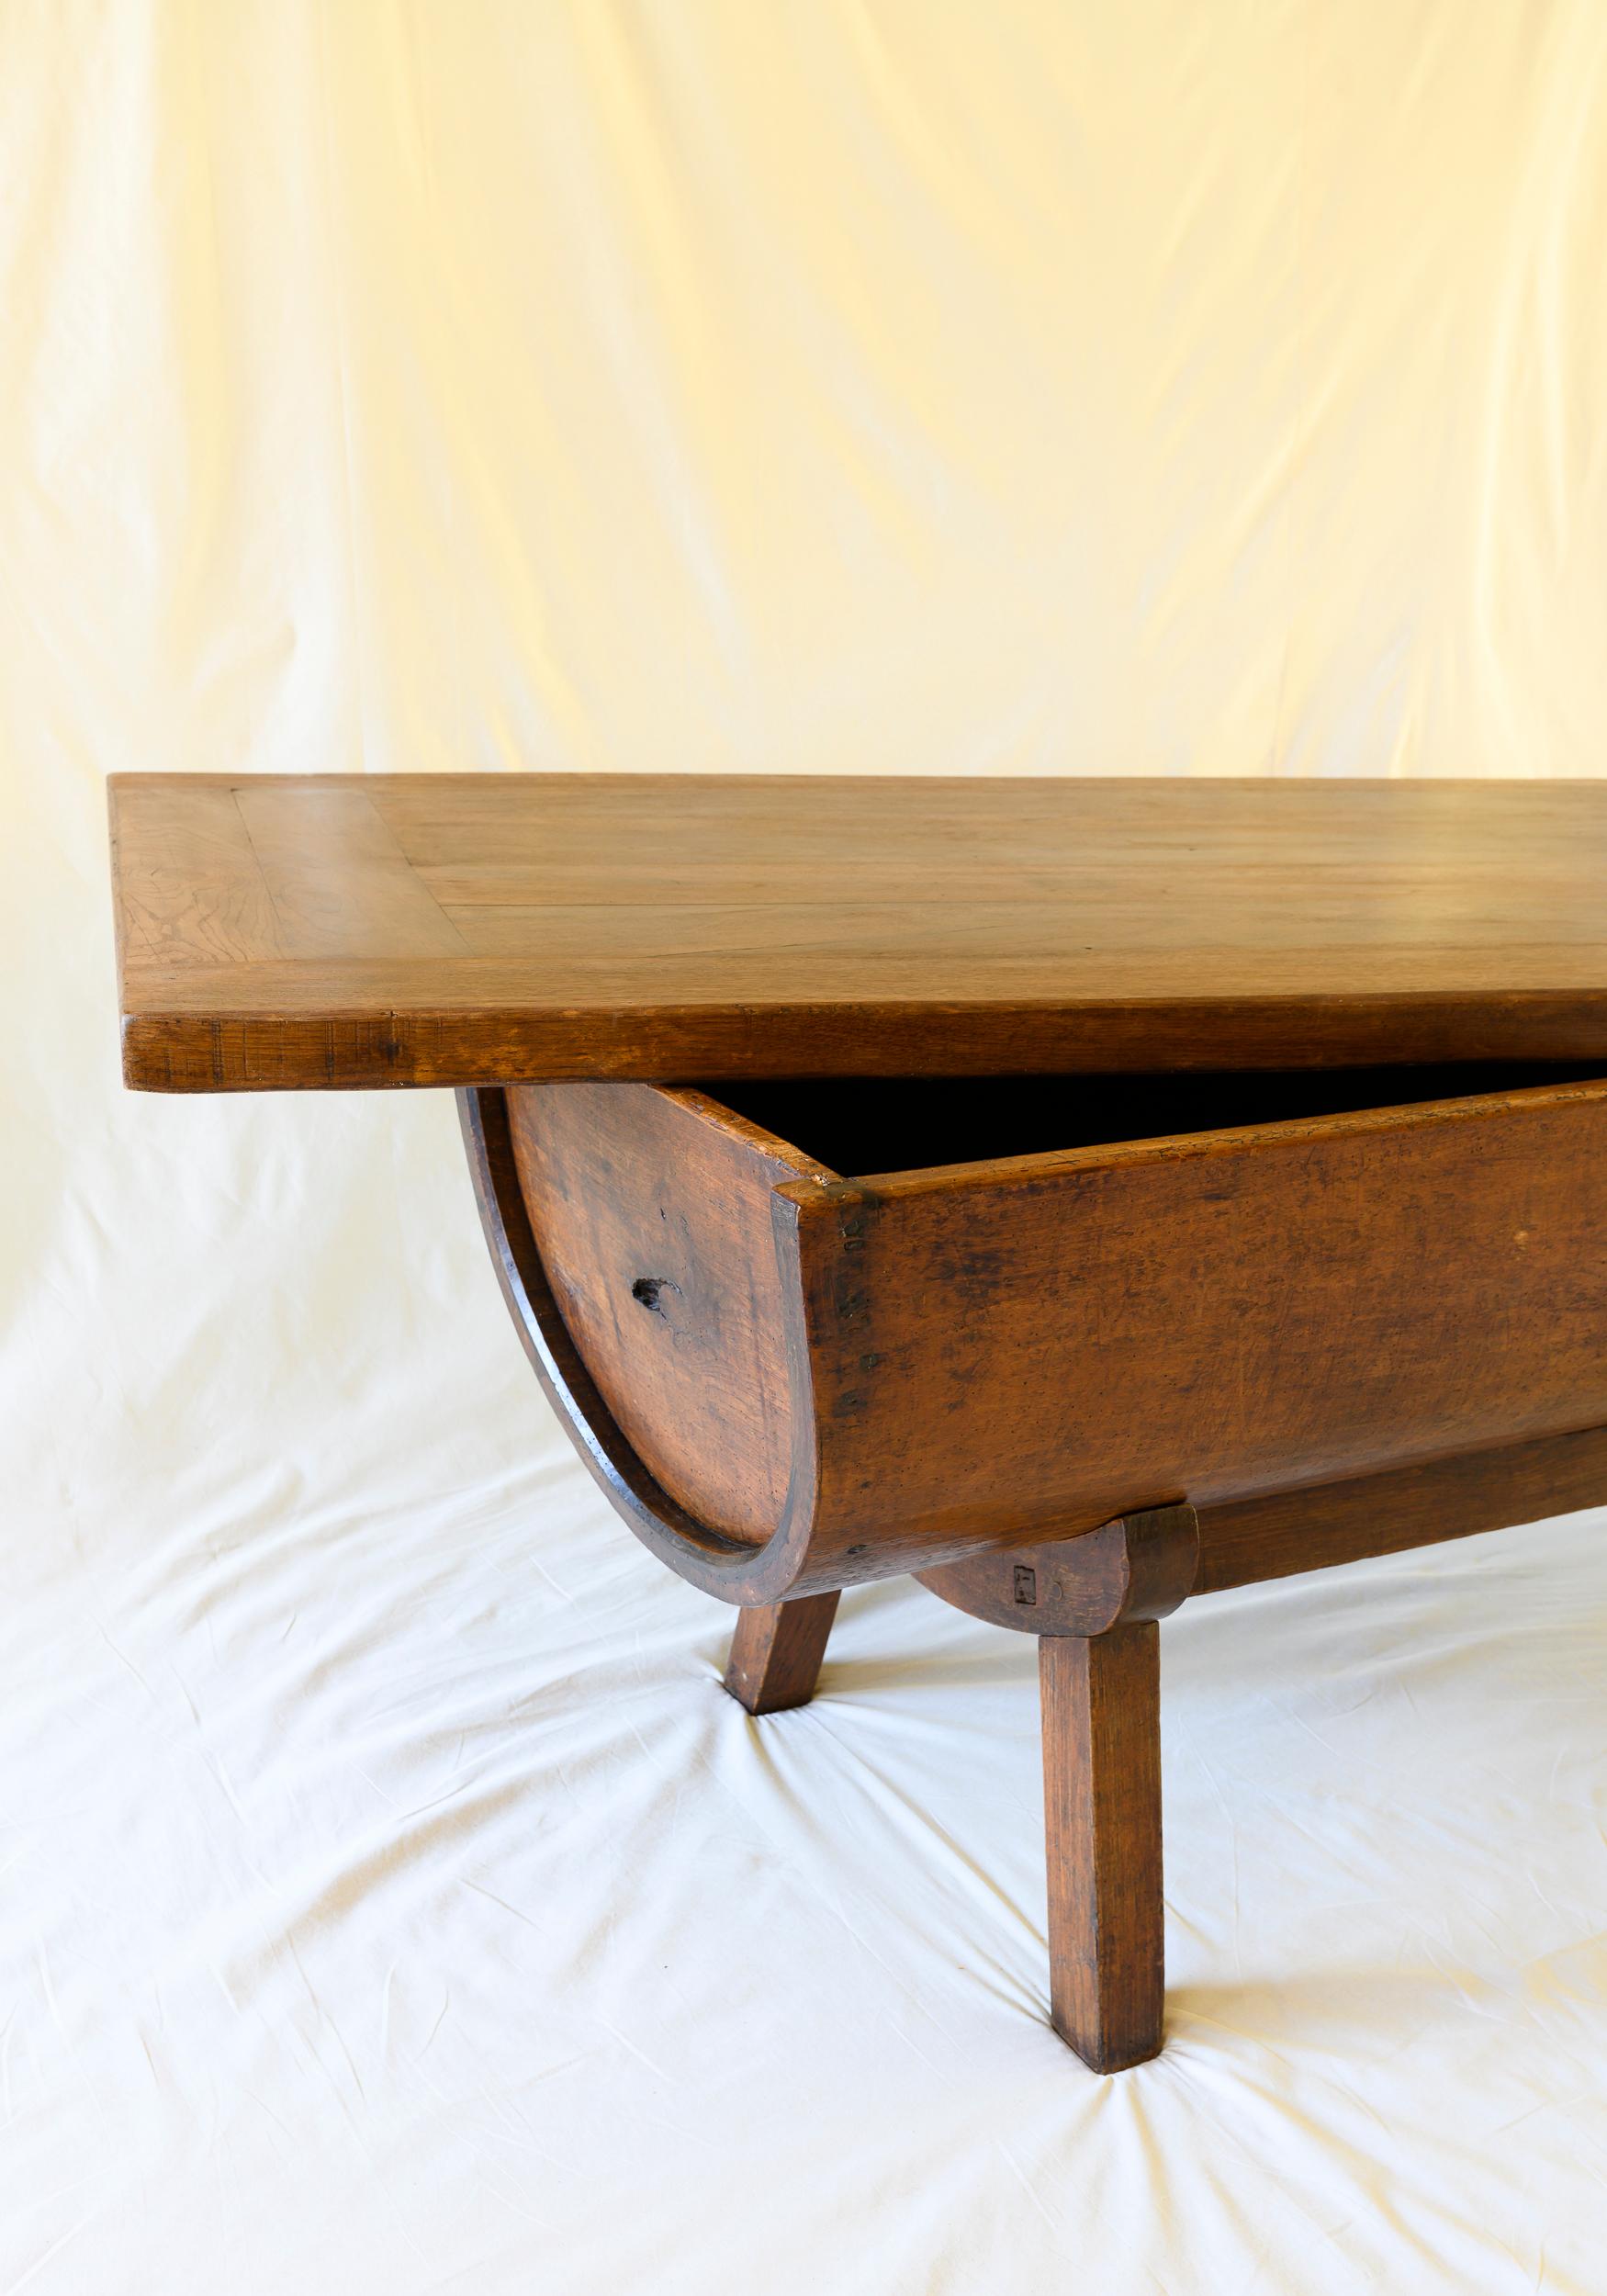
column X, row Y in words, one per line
column 685, row 1287
column 718, row 1562
column 671, row 1271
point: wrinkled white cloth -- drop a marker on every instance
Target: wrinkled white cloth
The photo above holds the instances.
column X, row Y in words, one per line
column 393, row 1901
column 389, row 1897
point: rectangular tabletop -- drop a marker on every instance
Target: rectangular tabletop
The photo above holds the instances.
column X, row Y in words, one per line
column 329, row 930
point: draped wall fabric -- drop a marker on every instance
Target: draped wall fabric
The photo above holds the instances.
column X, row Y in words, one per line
column 387, row 1897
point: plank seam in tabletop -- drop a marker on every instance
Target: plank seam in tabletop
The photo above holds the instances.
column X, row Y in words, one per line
column 285, row 931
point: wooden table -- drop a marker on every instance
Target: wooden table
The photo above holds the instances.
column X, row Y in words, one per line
column 1274, row 1239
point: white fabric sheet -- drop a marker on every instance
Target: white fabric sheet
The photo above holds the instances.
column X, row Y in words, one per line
column 391, row 1901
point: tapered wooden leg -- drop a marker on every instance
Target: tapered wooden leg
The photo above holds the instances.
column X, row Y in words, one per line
column 1102, row 1807
column 776, row 1650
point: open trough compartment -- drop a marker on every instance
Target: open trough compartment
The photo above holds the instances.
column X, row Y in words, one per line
column 816, row 1332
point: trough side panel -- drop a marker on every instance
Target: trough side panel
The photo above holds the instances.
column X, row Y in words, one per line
column 1028, row 1350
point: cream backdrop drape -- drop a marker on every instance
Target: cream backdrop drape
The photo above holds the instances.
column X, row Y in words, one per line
column 387, row 1897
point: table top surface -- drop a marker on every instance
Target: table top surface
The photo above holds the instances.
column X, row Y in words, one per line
column 328, row 931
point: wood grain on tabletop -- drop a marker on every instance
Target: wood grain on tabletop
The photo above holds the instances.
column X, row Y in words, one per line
column 333, row 930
